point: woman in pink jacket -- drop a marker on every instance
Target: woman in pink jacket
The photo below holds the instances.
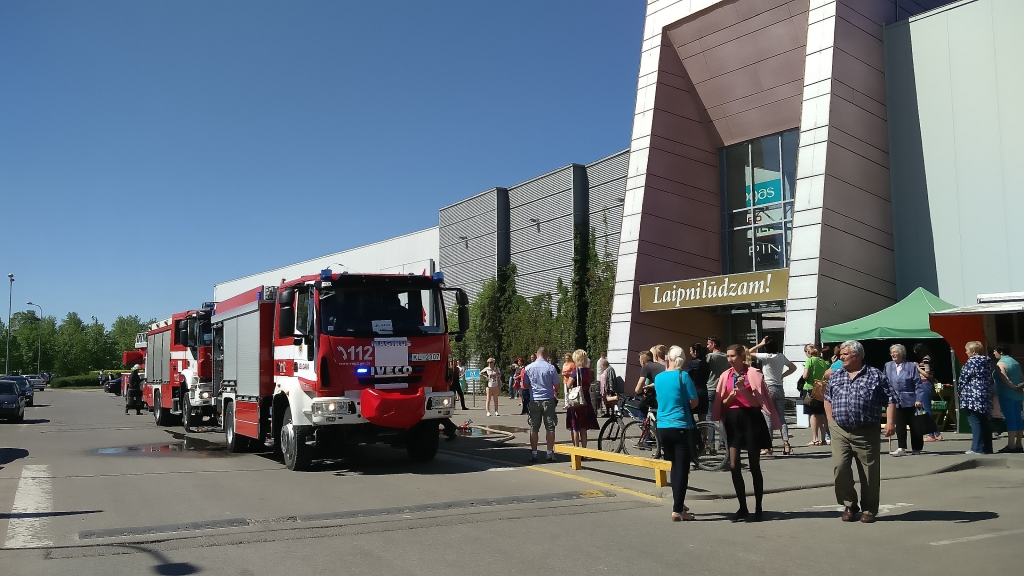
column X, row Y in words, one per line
column 740, row 399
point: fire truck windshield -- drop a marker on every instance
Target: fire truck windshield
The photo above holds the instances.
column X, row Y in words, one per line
column 200, row 331
column 381, row 310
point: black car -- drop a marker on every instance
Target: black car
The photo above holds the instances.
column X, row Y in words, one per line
column 12, row 401
column 26, row 388
column 113, row 385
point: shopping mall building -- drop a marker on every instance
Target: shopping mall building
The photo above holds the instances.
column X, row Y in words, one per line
column 792, row 165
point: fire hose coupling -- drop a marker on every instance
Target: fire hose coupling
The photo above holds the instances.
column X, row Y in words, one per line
column 332, row 407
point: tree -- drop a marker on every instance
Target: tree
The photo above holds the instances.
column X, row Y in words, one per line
column 32, row 335
column 124, row 329
column 486, row 321
column 71, row 347
column 600, row 287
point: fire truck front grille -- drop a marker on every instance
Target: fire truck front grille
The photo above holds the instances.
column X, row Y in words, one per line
column 411, row 379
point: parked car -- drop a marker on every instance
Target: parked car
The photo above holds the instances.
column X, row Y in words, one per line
column 37, row 381
column 12, row 401
column 113, row 385
column 26, row 388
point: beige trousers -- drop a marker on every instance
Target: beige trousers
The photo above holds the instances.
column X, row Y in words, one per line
column 862, row 446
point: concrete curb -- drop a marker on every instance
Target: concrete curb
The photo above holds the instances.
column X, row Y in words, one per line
column 970, row 464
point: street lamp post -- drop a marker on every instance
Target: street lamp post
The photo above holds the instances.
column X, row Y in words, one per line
column 10, row 295
column 39, row 354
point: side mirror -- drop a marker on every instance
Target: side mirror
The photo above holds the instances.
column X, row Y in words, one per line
column 461, row 298
column 463, row 320
column 286, row 297
column 460, row 337
column 183, row 337
column 286, row 322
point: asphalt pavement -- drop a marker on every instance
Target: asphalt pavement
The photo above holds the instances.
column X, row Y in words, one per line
column 85, row 489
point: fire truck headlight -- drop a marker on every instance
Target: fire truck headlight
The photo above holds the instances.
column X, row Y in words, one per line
column 332, row 407
column 446, row 402
column 204, row 395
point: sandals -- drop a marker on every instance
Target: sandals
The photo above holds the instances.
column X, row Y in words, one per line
column 814, row 443
column 786, row 449
column 677, row 517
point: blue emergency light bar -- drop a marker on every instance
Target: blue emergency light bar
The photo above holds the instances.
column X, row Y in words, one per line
column 209, row 305
column 362, row 370
column 326, row 274
column 439, row 277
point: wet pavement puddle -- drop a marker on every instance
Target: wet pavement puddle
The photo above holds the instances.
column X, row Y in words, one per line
column 185, row 446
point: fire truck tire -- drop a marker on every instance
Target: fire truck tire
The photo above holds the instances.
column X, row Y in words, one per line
column 423, row 442
column 160, row 414
column 234, row 442
column 296, row 452
column 186, row 414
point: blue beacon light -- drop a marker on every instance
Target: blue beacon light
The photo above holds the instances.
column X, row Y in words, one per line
column 439, row 277
column 326, row 274
column 361, row 370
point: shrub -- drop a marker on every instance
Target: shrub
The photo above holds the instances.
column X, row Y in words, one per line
column 83, row 381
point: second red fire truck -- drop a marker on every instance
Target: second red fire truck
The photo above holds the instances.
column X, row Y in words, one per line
column 178, row 386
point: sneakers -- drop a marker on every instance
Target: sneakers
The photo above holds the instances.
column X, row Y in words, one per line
column 496, row 414
column 972, row 453
column 898, row 452
column 533, row 459
column 551, row 457
column 488, row 413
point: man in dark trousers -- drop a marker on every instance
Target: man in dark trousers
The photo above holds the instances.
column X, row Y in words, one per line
column 134, row 391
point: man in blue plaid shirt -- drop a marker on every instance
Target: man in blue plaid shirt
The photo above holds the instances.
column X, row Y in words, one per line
column 854, row 400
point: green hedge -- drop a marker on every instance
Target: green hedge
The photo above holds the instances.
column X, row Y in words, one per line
column 84, row 381
column 96, row 373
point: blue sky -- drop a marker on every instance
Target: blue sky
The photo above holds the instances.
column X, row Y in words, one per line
column 151, row 149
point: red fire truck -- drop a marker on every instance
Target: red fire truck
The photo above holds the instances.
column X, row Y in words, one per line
column 324, row 361
column 179, row 367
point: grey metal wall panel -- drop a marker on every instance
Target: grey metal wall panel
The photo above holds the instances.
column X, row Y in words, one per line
column 248, row 371
column 540, row 187
column 552, row 206
column 544, row 281
column 479, row 204
column 610, row 168
column 542, row 234
column 469, row 249
column 473, row 227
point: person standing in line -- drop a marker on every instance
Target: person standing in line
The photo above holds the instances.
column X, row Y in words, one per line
column 699, row 371
column 458, row 378
column 814, row 370
column 905, row 379
column 606, row 377
column 718, row 364
column 775, row 367
column 739, row 401
column 976, row 397
column 542, row 380
column 652, row 363
column 568, row 367
column 924, row 368
column 1007, row 379
column 513, row 367
column 103, row 378
column 524, row 391
column 677, row 396
column 581, row 418
column 854, row 400
column 493, row 376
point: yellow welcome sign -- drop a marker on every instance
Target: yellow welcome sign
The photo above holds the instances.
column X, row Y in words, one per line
column 715, row 290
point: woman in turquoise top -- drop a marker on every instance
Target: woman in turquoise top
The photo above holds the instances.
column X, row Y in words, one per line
column 1007, row 378
column 677, row 397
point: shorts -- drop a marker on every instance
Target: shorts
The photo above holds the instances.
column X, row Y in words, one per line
column 543, row 411
column 1011, row 413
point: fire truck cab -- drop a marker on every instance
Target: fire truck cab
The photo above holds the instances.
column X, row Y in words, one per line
column 324, row 361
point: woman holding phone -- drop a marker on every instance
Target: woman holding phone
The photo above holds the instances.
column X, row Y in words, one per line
column 740, row 399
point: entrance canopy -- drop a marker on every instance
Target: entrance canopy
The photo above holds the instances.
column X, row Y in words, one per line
column 907, row 318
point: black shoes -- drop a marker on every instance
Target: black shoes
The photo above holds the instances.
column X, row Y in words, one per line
column 740, row 515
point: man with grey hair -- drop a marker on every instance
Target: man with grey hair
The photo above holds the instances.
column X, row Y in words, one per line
column 854, row 400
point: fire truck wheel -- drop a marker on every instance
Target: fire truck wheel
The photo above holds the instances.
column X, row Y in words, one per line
column 186, row 414
column 234, row 442
column 297, row 454
column 423, row 441
column 160, row 414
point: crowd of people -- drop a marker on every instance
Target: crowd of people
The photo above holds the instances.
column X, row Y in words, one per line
column 848, row 402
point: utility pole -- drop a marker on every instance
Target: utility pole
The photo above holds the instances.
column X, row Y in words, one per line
column 39, row 354
column 10, row 295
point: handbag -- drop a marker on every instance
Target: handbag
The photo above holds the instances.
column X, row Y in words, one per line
column 924, row 422
column 818, row 393
column 575, row 397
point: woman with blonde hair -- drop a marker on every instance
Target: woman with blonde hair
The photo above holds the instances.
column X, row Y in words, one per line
column 493, row 376
column 677, row 397
column 581, row 418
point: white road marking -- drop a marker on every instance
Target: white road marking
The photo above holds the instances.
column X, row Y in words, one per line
column 29, row 525
column 978, row 537
column 882, row 508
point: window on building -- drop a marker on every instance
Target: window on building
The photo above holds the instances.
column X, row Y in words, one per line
column 759, row 177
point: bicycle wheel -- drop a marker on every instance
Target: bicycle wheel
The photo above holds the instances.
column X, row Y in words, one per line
column 610, row 437
column 716, row 453
column 638, row 442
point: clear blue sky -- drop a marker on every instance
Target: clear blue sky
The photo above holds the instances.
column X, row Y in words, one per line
column 151, row 149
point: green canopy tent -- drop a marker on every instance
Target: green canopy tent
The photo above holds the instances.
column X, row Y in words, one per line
column 906, row 319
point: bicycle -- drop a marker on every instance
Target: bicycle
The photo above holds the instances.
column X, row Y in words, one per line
column 715, row 454
column 609, row 439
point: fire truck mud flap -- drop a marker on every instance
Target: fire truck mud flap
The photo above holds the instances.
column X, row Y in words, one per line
column 393, row 409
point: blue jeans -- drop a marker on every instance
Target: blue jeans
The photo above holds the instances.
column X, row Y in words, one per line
column 981, row 432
